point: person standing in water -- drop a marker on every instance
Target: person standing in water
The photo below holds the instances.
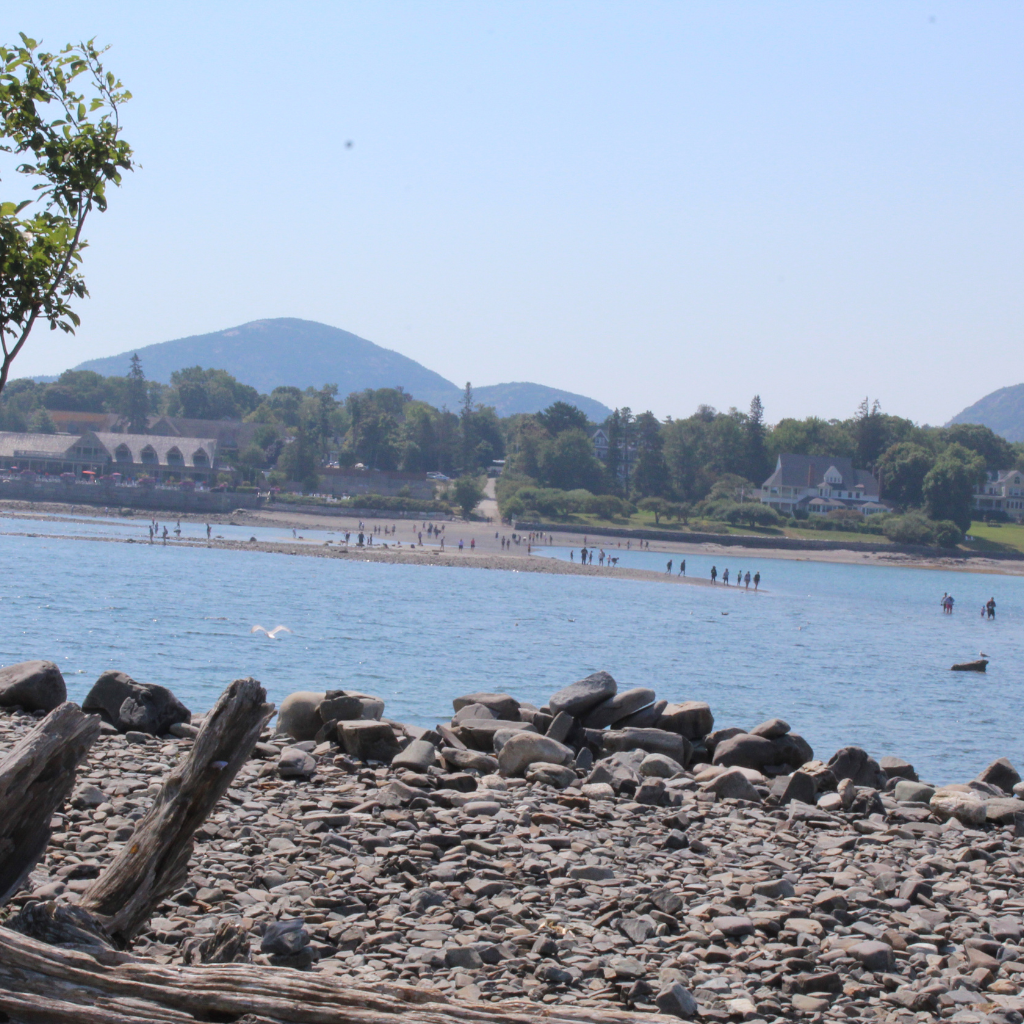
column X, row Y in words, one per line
column 990, row 607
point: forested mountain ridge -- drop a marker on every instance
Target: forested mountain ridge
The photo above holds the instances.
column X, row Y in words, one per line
column 1002, row 412
column 266, row 354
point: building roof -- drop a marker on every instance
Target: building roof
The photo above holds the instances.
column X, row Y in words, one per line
column 36, row 446
column 67, row 447
column 75, row 422
column 810, row 470
column 162, row 447
column 228, row 433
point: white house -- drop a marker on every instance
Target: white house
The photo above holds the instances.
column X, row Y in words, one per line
column 820, row 484
column 1001, row 491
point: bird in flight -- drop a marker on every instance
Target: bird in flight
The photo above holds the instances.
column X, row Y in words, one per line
column 271, row 633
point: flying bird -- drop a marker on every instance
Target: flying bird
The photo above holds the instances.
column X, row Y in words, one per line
column 271, row 633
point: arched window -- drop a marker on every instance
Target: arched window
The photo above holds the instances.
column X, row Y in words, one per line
column 200, row 459
column 149, row 455
column 174, row 457
column 123, row 453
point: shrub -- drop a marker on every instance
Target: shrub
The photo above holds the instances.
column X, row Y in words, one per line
column 947, row 534
column 912, row 528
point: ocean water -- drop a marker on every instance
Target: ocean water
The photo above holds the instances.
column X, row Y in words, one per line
column 847, row 654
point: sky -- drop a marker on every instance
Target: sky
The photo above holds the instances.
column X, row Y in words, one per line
column 654, row 204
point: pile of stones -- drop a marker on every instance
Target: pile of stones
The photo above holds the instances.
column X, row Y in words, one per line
column 568, row 856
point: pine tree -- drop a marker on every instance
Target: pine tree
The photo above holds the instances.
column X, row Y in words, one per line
column 137, row 403
column 757, row 448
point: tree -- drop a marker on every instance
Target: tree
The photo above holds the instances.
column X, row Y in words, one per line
column 561, row 416
column 758, row 460
column 298, row 459
column 997, row 452
column 136, row 407
column 869, row 433
column 568, row 462
column 71, row 158
column 659, row 506
column 650, row 475
column 949, row 485
column 42, row 423
column 467, row 493
column 901, row 470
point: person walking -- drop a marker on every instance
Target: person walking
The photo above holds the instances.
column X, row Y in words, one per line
column 757, row 579
column 460, row 544
column 746, row 579
column 682, row 567
column 725, row 577
column 669, row 569
column 714, row 574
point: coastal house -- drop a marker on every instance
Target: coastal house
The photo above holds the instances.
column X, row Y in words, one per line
column 602, row 446
column 231, row 435
column 819, row 484
column 1002, row 490
column 99, row 453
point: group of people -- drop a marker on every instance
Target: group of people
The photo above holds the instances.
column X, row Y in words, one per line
column 741, row 579
column 988, row 609
column 154, row 531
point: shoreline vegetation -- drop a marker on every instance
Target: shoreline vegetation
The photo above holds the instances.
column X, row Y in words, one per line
column 488, row 552
column 604, row 856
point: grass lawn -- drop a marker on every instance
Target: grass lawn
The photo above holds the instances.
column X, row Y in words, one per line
column 838, row 535
column 989, row 537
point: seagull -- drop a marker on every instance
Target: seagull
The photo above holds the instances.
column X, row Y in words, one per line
column 572, row 620
column 271, row 633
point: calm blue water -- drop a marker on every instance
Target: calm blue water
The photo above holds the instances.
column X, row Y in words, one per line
column 845, row 653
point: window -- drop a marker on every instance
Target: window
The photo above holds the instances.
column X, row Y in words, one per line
column 123, row 454
column 199, row 459
column 174, row 458
column 149, row 455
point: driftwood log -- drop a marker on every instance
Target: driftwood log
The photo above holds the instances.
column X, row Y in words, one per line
column 36, row 778
column 153, row 863
column 41, row 984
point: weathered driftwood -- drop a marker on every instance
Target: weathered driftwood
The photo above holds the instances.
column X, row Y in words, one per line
column 41, row 984
column 35, row 780
column 154, row 861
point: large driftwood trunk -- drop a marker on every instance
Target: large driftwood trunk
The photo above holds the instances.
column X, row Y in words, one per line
column 42, row 984
column 35, row 780
column 154, row 861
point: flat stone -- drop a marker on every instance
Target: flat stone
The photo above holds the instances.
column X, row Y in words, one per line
column 772, row 729
column 417, row 756
column 524, row 749
column 620, row 706
column 580, row 697
column 692, row 719
column 501, row 705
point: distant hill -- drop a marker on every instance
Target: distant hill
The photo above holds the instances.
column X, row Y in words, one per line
column 1002, row 412
column 302, row 353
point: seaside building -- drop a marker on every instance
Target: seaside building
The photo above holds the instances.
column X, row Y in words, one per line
column 819, row 484
column 1001, row 491
column 100, row 453
column 627, row 453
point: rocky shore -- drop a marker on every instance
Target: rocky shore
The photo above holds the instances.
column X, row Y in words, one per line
column 606, row 850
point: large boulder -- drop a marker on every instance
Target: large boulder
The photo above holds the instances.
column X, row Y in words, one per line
column 298, row 715
column 620, row 706
column 745, row 751
column 692, row 719
column 772, row 729
column 349, row 706
column 897, row 768
column 792, row 750
column 418, row 756
column 134, row 707
column 645, row 718
column 478, row 733
column 959, row 802
column 500, row 704
column 526, row 748
column 999, row 773
column 733, row 785
column 859, row 767
column 578, row 698
column 368, row 740
column 653, row 741
column 32, row 685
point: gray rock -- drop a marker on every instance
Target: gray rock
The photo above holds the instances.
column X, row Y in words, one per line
column 295, row 764
column 874, row 955
column 33, row 685
column 298, row 715
column 469, row 712
column 500, row 704
column 1002, row 774
column 615, row 708
column 654, row 741
column 660, row 766
column 471, row 760
column 677, row 1002
column 855, row 764
column 745, row 751
column 798, row 786
column 528, row 748
column 645, row 718
column 417, row 756
column 1003, row 810
column 776, row 889
column 897, row 768
column 692, row 719
column 578, row 698
column 561, row 725
column 734, row 927
column 653, row 793
column 346, row 706
column 368, row 741
column 913, row 792
column 129, row 705
column 792, row 749
column 465, row 957
column 733, row 785
column 557, row 776
column 88, row 796
column 591, row 872
column 285, row 937
column 479, row 732
column 771, row 730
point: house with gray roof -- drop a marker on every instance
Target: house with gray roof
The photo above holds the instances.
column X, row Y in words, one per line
column 819, row 484
column 102, row 453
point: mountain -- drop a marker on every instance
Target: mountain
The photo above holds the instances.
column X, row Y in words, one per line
column 1002, row 412
column 303, row 353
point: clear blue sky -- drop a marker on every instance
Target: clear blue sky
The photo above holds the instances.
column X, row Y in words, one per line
column 655, row 204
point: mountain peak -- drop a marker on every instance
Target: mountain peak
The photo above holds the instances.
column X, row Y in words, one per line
column 1002, row 412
